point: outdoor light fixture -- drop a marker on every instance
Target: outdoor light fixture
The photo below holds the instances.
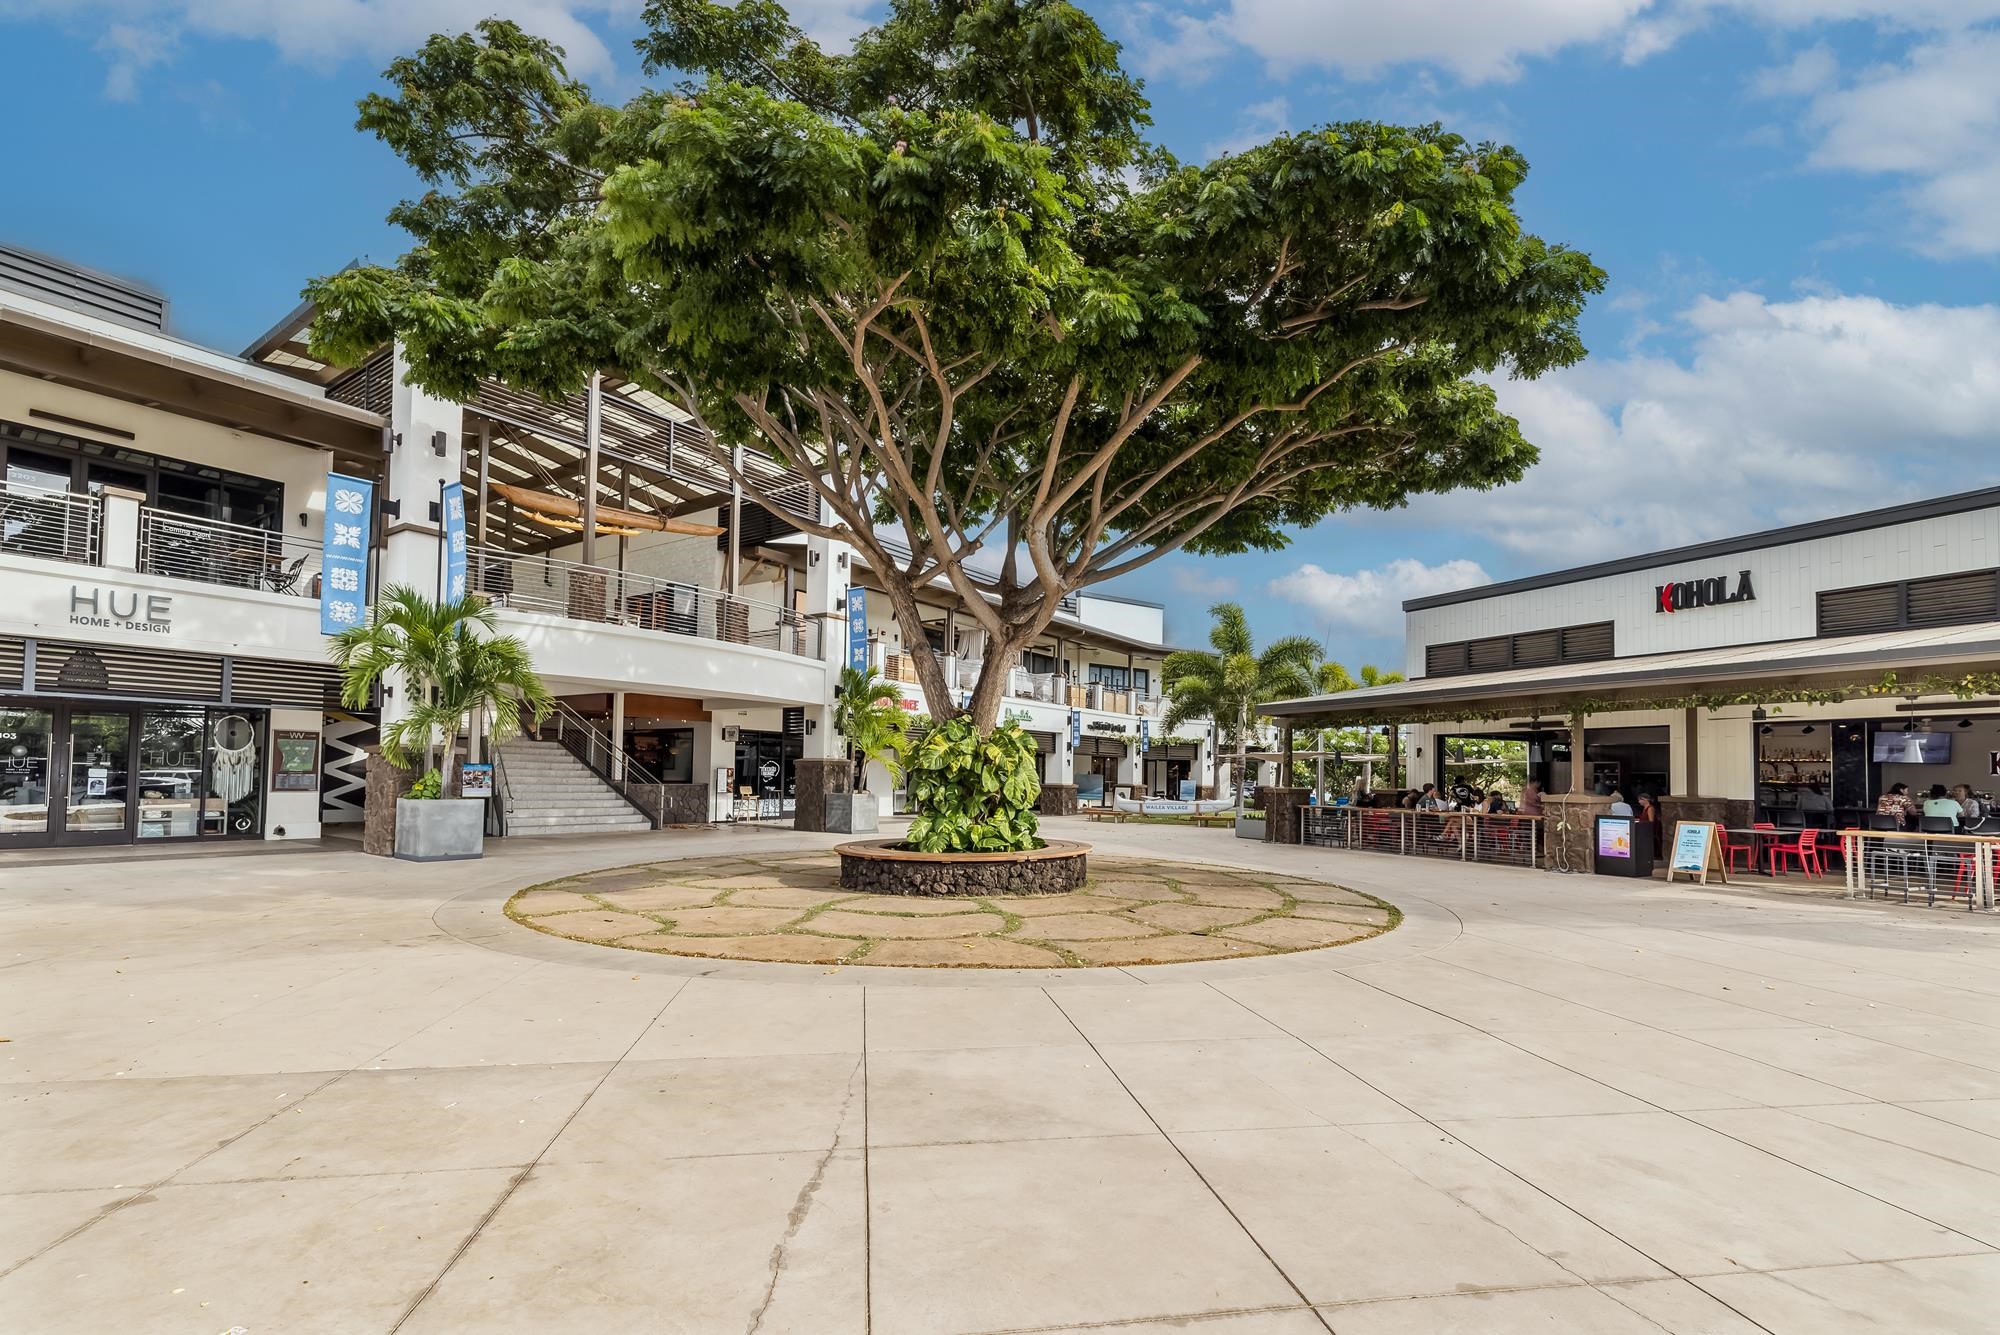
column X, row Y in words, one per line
column 1758, row 715
column 1965, row 723
column 1806, row 731
column 1766, row 730
column 440, row 442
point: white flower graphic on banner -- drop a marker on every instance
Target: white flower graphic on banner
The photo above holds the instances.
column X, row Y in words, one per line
column 347, row 535
column 347, row 502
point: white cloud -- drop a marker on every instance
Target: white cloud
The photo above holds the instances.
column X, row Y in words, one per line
column 1804, row 74
column 1254, row 124
column 1196, row 582
column 322, row 33
column 1480, row 41
column 1933, row 120
column 131, row 50
column 1371, row 601
column 1784, row 411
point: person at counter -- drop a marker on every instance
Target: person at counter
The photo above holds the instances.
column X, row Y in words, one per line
column 1531, row 798
column 1649, row 814
column 1944, row 806
column 1975, row 810
column 1814, row 801
column 1619, row 806
column 1896, row 802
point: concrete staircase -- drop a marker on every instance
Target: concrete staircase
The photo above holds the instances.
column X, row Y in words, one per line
column 555, row 793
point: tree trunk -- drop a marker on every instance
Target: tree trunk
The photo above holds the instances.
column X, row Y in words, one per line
column 930, row 672
column 1395, row 751
column 1242, row 742
column 991, row 688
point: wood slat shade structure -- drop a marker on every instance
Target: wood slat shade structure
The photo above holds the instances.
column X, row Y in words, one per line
column 610, row 519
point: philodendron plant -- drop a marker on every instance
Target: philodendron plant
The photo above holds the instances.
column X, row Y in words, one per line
column 974, row 792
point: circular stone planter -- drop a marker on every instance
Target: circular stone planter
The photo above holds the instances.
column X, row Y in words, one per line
column 884, row 867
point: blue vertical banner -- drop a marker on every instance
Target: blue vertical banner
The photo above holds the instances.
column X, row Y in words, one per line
column 1145, row 735
column 453, row 500
column 857, row 628
column 1075, row 728
column 343, row 585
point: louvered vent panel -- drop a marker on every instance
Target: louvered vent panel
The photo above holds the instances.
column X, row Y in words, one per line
column 13, row 655
column 119, row 670
column 1851, row 611
column 1538, row 648
column 1586, row 644
column 1953, row 600
column 303, row 685
column 1444, row 660
column 1487, row 655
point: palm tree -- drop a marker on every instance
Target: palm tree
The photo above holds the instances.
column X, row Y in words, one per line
column 868, row 712
column 451, row 662
column 1231, row 679
column 1333, row 679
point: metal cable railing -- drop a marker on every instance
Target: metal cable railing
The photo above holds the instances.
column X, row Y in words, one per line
column 211, row 551
column 1948, row 867
column 52, row 525
column 614, row 597
column 1494, row 838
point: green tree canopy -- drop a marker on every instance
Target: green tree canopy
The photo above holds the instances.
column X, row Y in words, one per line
column 945, row 277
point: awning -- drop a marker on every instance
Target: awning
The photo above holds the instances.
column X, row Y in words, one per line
column 1857, row 661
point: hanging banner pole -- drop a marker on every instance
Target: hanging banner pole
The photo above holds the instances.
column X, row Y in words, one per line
column 343, row 587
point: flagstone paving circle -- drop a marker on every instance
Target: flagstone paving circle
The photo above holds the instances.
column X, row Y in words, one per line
column 790, row 908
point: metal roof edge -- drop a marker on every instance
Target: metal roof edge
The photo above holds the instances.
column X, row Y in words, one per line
column 1904, row 513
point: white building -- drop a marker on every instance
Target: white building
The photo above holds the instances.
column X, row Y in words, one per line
column 163, row 671
column 1706, row 674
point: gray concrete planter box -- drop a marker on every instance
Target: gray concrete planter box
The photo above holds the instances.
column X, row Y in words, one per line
column 852, row 813
column 1250, row 827
column 446, row 829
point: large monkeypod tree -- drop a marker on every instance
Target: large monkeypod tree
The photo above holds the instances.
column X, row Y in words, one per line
column 944, row 276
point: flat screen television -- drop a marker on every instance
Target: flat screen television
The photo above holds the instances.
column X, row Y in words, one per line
column 1913, row 748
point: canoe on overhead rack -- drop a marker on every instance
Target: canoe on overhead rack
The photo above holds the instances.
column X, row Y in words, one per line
column 562, row 512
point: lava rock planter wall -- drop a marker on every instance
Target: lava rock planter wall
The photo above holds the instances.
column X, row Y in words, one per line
column 884, row 867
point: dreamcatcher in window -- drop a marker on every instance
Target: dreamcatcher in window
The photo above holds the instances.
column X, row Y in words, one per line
column 233, row 771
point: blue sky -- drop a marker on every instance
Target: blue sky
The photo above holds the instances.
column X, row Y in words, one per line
column 1798, row 202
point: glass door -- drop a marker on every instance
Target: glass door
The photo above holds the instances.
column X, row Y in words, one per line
column 234, row 806
column 98, row 808
column 26, row 736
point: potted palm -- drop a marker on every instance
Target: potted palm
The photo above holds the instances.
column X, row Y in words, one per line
column 868, row 713
column 449, row 662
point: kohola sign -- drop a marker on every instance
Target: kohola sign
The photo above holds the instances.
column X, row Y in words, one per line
column 1715, row 591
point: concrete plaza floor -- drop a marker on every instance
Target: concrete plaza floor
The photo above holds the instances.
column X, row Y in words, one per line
column 321, row 1092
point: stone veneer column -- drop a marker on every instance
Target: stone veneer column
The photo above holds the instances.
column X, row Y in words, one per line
column 1057, row 799
column 1281, row 813
column 814, row 778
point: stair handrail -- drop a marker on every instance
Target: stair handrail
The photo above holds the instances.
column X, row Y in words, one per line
column 505, row 806
column 593, row 742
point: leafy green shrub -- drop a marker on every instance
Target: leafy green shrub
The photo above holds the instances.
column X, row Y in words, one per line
column 429, row 785
column 974, row 794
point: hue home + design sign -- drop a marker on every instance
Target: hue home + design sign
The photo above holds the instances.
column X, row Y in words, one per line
column 1715, row 591
column 121, row 609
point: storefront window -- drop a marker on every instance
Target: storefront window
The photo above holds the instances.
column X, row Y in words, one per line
column 667, row 752
column 99, row 781
column 170, row 762
column 235, row 801
column 24, row 771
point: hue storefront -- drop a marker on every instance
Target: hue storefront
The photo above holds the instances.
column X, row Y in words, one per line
column 1791, row 675
column 123, row 739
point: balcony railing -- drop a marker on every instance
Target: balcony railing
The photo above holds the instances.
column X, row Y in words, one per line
column 614, row 597
column 53, row 525
column 214, row 552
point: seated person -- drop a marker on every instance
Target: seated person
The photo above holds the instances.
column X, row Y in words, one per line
column 1896, row 802
column 1943, row 806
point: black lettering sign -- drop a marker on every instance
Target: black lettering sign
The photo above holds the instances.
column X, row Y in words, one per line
column 1713, row 591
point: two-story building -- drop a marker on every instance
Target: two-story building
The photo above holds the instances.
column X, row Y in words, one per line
column 163, row 651
column 1796, row 673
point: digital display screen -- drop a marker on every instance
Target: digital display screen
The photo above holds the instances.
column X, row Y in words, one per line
column 1913, row 748
column 1614, row 837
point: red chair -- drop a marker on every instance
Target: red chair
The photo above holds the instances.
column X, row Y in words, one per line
column 1731, row 850
column 1805, row 852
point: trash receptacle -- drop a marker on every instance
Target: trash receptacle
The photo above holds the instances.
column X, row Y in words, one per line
column 1624, row 847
